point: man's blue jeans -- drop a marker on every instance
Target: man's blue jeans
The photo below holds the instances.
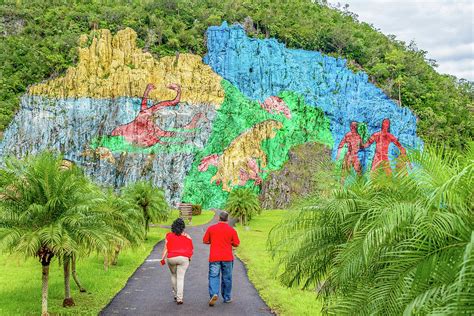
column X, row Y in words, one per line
column 216, row 269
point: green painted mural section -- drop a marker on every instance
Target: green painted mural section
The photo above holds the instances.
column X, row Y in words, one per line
column 237, row 115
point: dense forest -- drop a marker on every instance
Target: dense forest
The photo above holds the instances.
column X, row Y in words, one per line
column 39, row 39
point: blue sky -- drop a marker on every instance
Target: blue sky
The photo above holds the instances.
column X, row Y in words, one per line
column 444, row 28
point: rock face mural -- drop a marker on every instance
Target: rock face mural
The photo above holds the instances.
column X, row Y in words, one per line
column 198, row 127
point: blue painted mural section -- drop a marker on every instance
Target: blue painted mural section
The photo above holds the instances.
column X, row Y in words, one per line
column 262, row 68
column 71, row 125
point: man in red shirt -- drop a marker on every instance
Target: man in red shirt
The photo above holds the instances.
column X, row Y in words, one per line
column 222, row 238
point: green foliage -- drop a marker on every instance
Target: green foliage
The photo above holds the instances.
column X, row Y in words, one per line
column 399, row 245
column 20, row 284
column 150, row 200
column 125, row 219
column 44, row 207
column 243, row 204
column 46, row 212
column 260, row 267
column 41, row 38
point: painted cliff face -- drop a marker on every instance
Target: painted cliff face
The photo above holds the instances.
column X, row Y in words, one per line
column 197, row 127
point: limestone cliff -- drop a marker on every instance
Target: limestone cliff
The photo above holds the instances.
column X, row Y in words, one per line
column 308, row 164
column 230, row 119
column 113, row 66
column 263, row 68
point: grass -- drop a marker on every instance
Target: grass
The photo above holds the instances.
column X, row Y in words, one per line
column 20, row 280
column 262, row 269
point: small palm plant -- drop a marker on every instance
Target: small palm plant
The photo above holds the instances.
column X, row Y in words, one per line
column 398, row 245
column 45, row 213
column 126, row 220
column 243, row 204
column 150, row 200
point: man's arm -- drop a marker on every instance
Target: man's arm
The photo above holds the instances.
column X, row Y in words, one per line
column 235, row 239
column 369, row 142
column 339, row 148
column 397, row 143
column 207, row 238
column 192, row 248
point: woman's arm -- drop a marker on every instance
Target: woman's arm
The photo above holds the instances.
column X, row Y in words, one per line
column 165, row 250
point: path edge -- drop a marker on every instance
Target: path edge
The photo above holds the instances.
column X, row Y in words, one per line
column 131, row 275
column 148, row 256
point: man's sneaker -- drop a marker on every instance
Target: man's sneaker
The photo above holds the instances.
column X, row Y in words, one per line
column 213, row 300
column 228, row 301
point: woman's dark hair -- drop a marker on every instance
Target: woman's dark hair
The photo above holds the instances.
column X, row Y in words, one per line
column 178, row 226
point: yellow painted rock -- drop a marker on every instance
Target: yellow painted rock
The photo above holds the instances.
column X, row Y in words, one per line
column 113, row 66
column 101, row 153
column 244, row 147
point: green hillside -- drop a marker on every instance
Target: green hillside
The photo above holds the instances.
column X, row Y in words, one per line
column 39, row 41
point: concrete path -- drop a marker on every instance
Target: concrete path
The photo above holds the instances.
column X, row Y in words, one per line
column 148, row 291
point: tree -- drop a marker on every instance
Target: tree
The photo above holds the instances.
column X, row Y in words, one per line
column 44, row 213
column 243, row 203
column 398, row 245
column 149, row 199
column 125, row 219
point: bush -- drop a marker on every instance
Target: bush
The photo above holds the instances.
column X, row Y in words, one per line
column 402, row 245
column 243, row 204
column 197, row 209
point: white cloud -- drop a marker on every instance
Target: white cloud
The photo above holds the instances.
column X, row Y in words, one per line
column 443, row 28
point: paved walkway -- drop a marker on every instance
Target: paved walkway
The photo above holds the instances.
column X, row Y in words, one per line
column 148, row 291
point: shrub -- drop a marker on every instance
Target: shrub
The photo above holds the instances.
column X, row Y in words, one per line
column 388, row 246
column 197, row 209
column 149, row 199
column 243, row 204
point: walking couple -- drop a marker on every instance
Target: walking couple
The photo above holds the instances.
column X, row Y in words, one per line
column 179, row 249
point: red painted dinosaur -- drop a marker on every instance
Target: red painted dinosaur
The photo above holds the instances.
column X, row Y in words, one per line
column 143, row 131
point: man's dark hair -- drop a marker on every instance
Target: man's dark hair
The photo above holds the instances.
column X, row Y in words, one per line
column 178, row 226
column 223, row 216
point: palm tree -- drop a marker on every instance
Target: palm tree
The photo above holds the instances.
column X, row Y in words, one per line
column 149, row 199
column 126, row 220
column 44, row 213
column 243, row 203
column 398, row 245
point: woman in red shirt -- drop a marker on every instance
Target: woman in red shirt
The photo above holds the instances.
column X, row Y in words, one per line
column 179, row 250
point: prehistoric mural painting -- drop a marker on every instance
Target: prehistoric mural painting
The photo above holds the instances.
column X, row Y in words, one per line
column 238, row 164
column 275, row 104
column 199, row 127
column 382, row 139
column 354, row 143
column 264, row 68
column 143, row 131
column 112, row 66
